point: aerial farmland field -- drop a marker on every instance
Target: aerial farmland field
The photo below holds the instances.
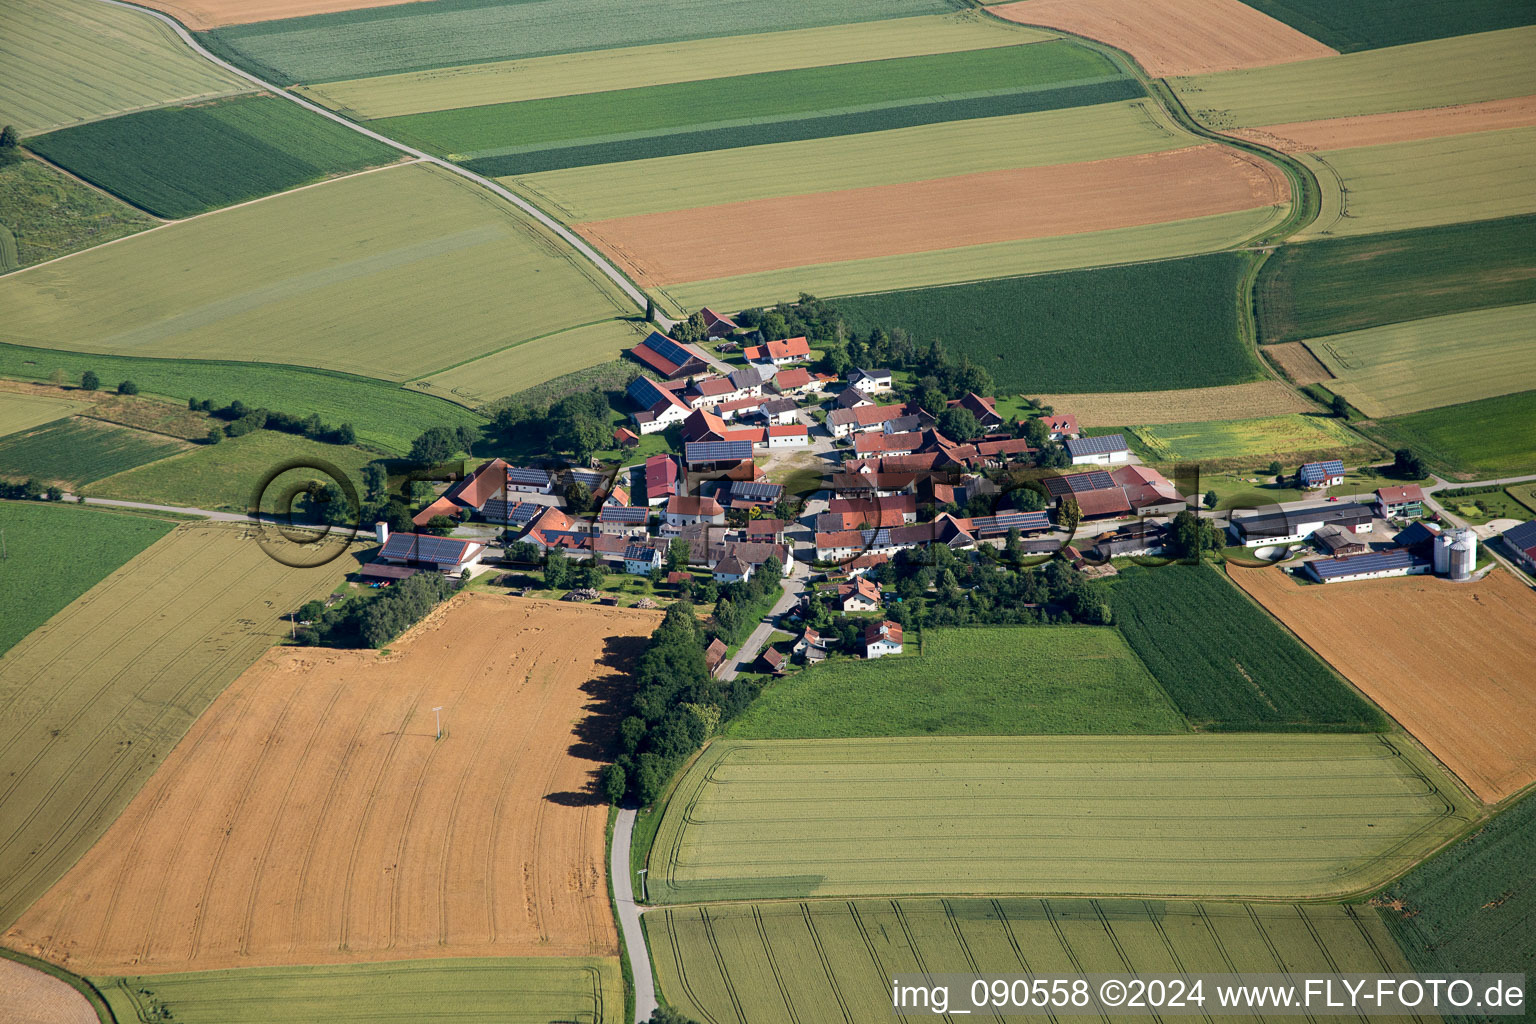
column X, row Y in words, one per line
column 70, row 61
column 66, row 551
column 369, row 839
column 835, row 960
column 1291, row 437
column 1051, row 816
column 47, row 214
column 317, row 278
column 1479, row 720
column 508, row 990
column 1336, row 285
column 181, row 161
column 1184, row 405
column 1365, row 24
column 981, row 681
column 534, row 362
column 1476, row 440
column 1443, row 360
column 93, row 702
column 20, row 412
column 78, row 450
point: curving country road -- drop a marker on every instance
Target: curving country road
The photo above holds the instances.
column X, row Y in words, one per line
column 629, row 916
column 571, row 238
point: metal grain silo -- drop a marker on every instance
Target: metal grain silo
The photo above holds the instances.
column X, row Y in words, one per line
column 1463, row 554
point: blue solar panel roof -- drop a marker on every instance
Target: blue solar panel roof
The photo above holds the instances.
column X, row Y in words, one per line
column 418, row 547
column 528, row 477
column 668, row 349
column 1317, row 472
column 717, row 451
column 1024, row 522
column 1523, row 536
column 755, row 490
column 1100, row 445
column 623, row 514
column 1373, row 561
column 644, row 392
column 639, row 553
column 1077, row 483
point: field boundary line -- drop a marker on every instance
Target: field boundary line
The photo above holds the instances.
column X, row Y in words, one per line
column 608, row 270
column 78, row 982
column 507, row 348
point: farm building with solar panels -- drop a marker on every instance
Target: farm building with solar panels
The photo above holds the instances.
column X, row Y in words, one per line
column 669, row 358
column 1317, row 475
column 1520, row 542
column 405, row 553
column 1368, row 566
column 1102, row 450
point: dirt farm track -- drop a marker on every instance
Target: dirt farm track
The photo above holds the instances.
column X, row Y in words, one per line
column 1450, row 661
column 310, row 816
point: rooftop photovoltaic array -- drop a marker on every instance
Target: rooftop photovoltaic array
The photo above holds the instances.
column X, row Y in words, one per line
column 644, row 392
column 1101, row 445
column 416, row 547
column 668, row 349
column 755, row 490
column 1024, row 522
column 1077, row 483
column 639, row 553
column 717, row 451
column 1373, row 561
column 623, row 514
column 1317, row 472
column 527, row 477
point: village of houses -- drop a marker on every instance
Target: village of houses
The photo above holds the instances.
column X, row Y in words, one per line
column 881, row 463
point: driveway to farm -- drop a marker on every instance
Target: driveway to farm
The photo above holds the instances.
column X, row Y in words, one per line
column 608, row 269
column 629, row 916
column 794, row 587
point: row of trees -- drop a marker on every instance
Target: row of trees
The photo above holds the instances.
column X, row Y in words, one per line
column 376, row 621
column 30, row 491
column 577, row 424
column 243, row 419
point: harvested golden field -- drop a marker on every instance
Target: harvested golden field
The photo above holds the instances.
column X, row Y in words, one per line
column 973, row 209
column 1187, row 405
column 311, row 816
column 1450, row 661
column 1401, row 126
column 32, row 997
column 1297, row 362
column 1176, row 37
column 206, row 14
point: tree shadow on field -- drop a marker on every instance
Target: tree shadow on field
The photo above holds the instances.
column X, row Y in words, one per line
column 597, row 732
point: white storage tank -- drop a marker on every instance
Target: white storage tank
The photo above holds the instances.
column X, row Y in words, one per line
column 1443, row 552
column 1463, row 554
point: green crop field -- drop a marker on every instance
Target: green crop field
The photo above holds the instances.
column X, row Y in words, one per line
column 998, row 680
column 1472, row 907
column 921, row 153
column 1346, row 284
column 754, row 99
column 223, row 476
column 1227, row 665
column 512, row 990
column 1439, row 73
column 180, row 161
column 727, row 136
column 1475, row 441
column 62, row 551
column 69, row 61
column 1423, row 183
column 382, row 414
column 484, row 380
column 1366, row 24
column 45, row 214
column 1442, row 360
column 385, row 40
column 1232, row 816
column 319, row 278
column 22, row 412
column 75, row 451
column 1169, row 324
column 630, row 67
column 828, row 961
column 90, row 705
column 1217, row 440
column 977, row 263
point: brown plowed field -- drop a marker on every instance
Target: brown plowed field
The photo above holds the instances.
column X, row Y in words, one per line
column 1403, row 126
column 1188, row 405
column 1176, row 37
column 945, row 213
column 32, row 997
column 1298, row 362
column 206, row 14
column 311, row 817
column 1450, row 661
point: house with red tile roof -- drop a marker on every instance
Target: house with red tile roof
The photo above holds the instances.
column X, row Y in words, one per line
column 795, row 381
column 717, row 325
column 789, row 435
column 882, row 638
column 979, row 406
column 779, row 353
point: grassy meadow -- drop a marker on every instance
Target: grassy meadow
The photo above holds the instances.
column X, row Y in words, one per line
column 537, row 361
column 1473, row 441
column 75, row 451
column 1423, row 364
column 180, row 161
column 97, row 699
column 387, row 40
column 1438, row 73
column 1235, row 816
column 22, row 412
column 45, row 214
column 383, row 415
column 318, row 278
column 1367, row 24
column 69, row 61
column 512, row 990
column 1168, row 324
column 632, row 67
column 1224, row 440
column 223, row 476
column 1330, row 286
column 1228, row 666
column 827, row 961
column 63, row 550
column 923, row 152
column 998, row 680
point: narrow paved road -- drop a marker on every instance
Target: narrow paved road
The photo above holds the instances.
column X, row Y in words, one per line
column 629, row 916
column 592, row 255
column 207, row 513
column 793, row 587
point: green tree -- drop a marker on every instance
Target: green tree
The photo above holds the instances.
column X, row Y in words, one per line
column 89, row 381
column 959, row 424
column 581, row 436
column 578, row 498
column 346, row 434
column 127, row 387
column 657, row 575
column 930, row 395
column 465, row 437
column 613, row 781
column 1407, row 465
column 834, row 360
column 1275, row 469
column 375, row 481
column 435, row 444
column 650, row 310
column 1210, row 499
column 557, row 570
column 592, row 573
column 1068, row 515
column 1190, row 535
column 9, row 139
column 678, row 553
column 439, row 526
column 215, row 435
column 1340, row 407
column 1036, row 433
